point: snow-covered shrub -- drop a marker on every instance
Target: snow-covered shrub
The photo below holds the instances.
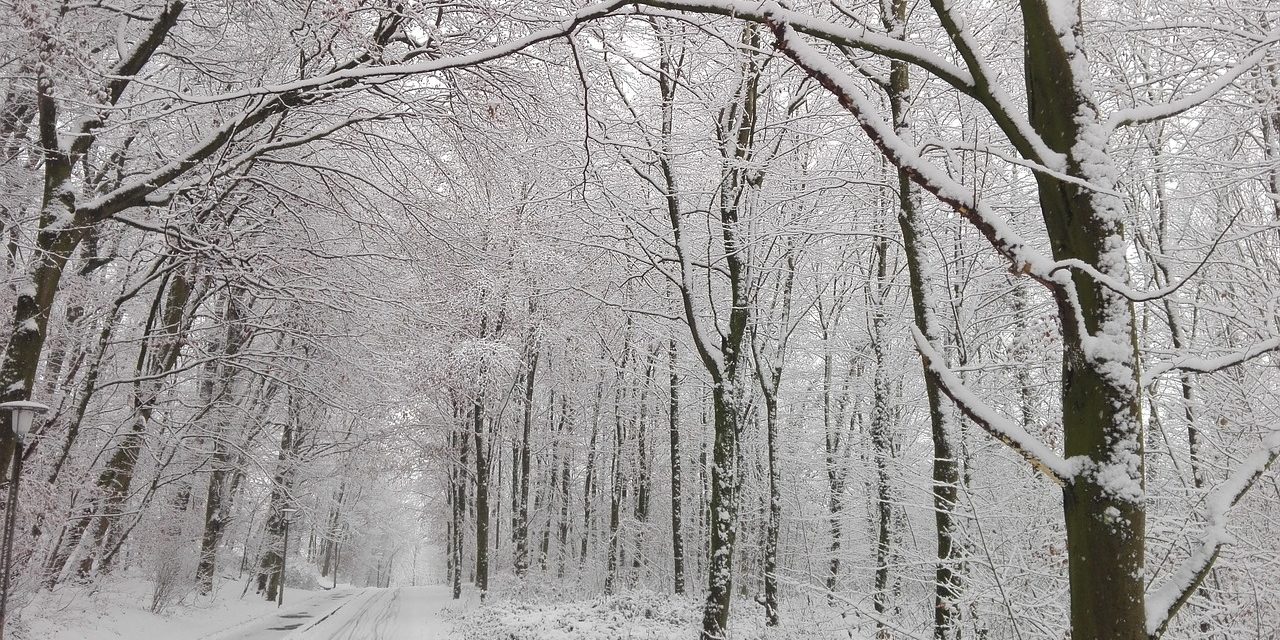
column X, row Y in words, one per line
column 641, row 615
column 169, row 576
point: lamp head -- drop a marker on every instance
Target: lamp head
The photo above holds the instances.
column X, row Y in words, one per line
column 23, row 412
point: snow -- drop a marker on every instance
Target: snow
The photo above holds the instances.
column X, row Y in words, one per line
column 1209, row 365
column 117, row 611
column 1162, row 602
column 405, row 613
column 640, row 615
column 1006, row 430
column 1002, row 237
column 1149, row 113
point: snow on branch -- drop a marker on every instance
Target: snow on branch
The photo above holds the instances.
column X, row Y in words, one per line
column 989, row 93
column 1165, row 601
column 1004, row 239
column 380, row 73
column 855, row 37
column 1143, row 114
column 123, row 73
column 1210, row 365
column 1005, row 430
column 975, row 85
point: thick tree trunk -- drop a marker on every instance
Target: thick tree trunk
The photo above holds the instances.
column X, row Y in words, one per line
column 1103, row 503
column 218, row 384
column 724, row 514
column 31, row 316
column 459, row 493
column 882, row 448
column 270, row 576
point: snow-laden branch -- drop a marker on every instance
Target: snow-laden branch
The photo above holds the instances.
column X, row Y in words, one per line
column 1196, row 364
column 1165, row 601
column 1036, row 167
column 990, row 94
column 1001, row 107
column 121, row 75
column 1152, row 112
column 1005, row 430
column 1004, row 239
column 382, row 73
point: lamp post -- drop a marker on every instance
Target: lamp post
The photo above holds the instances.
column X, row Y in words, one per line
column 286, row 514
column 22, row 413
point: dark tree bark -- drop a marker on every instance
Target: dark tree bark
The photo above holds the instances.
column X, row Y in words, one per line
column 946, row 471
column 482, row 495
column 677, row 499
column 589, row 475
column 616, row 490
column 522, row 506
column 171, row 314
column 216, row 386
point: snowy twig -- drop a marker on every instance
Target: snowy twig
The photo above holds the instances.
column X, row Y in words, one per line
column 1165, row 601
column 1004, row 239
column 1210, row 365
column 1005, row 430
column 1016, row 128
column 1151, row 113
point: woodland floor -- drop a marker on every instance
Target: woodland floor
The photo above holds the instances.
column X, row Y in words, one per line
column 403, row 613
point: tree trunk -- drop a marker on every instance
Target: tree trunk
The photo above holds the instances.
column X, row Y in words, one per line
column 677, row 537
column 1103, row 504
column 171, row 314
column 459, row 492
column 946, row 473
column 881, row 445
column 615, row 468
column 270, row 576
column 644, row 468
column 588, row 482
column 482, row 496
column 522, row 507
column 218, row 383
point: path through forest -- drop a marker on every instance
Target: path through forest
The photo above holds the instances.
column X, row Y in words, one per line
column 364, row 614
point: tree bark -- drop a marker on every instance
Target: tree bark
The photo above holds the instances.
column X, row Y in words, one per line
column 482, row 495
column 522, row 510
column 1103, row 504
column 946, row 473
column 677, row 536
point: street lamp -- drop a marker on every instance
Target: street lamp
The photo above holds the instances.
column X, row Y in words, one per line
column 22, row 412
column 286, row 514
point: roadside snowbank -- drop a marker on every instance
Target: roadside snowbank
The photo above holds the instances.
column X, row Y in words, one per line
column 118, row 610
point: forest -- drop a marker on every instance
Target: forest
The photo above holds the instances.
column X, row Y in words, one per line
column 589, row 319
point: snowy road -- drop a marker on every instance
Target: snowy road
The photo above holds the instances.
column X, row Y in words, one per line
column 406, row 613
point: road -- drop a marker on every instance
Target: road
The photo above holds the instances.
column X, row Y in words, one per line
column 405, row 613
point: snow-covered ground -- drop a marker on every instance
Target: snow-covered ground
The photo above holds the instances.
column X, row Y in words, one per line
column 118, row 611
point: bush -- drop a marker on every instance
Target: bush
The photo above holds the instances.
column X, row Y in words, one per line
column 640, row 615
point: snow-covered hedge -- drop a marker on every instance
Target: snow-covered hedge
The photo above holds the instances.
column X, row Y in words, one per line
column 640, row 615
